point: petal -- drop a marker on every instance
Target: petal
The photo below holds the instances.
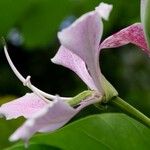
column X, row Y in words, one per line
column 133, row 34
column 50, row 118
column 83, row 38
column 143, row 7
column 70, row 60
column 24, row 106
column 104, row 10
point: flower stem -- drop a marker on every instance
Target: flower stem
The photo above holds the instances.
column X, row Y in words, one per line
column 127, row 108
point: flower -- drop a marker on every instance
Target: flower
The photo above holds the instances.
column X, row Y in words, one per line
column 79, row 51
column 145, row 18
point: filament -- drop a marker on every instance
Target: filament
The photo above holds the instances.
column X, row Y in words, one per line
column 26, row 82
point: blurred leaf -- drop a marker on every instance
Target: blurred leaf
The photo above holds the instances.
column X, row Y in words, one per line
column 36, row 22
column 7, row 127
column 34, row 147
column 5, row 99
column 10, row 12
column 99, row 132
column 40, row 25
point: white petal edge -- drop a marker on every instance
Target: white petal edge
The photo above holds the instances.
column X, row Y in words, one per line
column 104, row 10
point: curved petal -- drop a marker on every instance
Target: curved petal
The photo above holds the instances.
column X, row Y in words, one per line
column 50, row 118
column 83, row 38
column 24, row 106
column 70, row 60
column 133, row 34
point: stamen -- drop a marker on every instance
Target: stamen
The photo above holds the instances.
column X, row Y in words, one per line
column 28, row 84
column 26, row 81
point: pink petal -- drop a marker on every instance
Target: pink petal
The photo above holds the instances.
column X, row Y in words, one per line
column 25, row 106
column 133, row 34
column 50, row 118
column 70, row 60
column 83, row 38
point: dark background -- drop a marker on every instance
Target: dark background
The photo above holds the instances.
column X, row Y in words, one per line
column 30, row 28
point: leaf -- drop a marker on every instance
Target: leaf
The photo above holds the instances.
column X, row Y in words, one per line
column 35, row 147
column 99, row 132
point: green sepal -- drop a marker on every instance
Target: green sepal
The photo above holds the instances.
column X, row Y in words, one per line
column 109, row 91
column 80, row 97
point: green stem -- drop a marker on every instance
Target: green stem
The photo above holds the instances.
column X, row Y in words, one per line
column 115, row 101
column 126, row 107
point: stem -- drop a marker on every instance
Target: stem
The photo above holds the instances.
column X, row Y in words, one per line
column 126, row 107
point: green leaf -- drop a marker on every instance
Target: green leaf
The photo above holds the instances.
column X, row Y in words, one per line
column 99, row 132
column 34, row 147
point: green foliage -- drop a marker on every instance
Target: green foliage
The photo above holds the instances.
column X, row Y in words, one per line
column 40, row 25
column 10, row 12
column 34, row 147
column 104, row 132
column 38, row 21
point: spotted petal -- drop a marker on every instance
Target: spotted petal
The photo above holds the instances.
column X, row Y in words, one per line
column 25, row 106
column 82, row 38
column 133, row 34
column 70, row 60
column 50, row 118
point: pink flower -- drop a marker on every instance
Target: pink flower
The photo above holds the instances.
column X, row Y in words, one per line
column 79, row 51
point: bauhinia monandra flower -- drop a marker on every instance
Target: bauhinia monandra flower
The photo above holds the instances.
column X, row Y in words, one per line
column 79, row 51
